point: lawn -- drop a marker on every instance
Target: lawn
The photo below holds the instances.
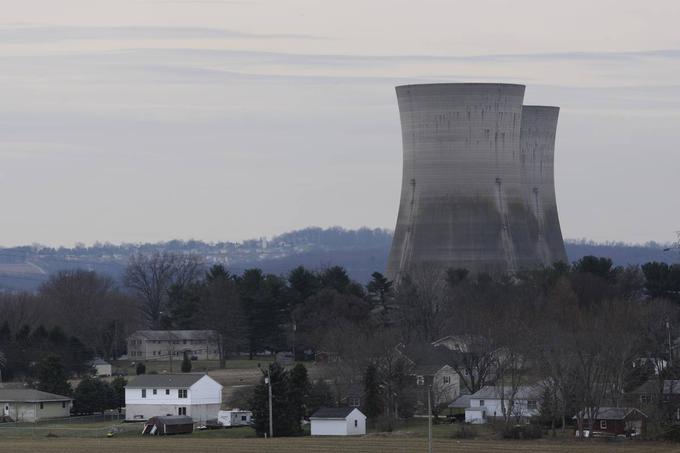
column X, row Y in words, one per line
column 367, row 444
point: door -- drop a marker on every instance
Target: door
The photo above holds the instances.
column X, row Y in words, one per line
column 5, row 410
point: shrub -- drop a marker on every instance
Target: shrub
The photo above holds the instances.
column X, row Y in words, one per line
column 463, row 431
column 141, row 368
column 384, row 424
column 523, row 432
column 186, row 364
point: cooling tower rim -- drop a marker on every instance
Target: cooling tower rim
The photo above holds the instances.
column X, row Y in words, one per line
column 541, row 107
column 460, row 84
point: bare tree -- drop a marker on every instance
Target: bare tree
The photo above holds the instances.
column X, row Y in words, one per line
column 421, row 298
column 152, row 276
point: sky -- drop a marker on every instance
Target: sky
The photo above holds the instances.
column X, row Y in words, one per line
column 151, row 120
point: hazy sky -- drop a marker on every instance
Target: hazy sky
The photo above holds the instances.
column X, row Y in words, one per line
column 147, row 120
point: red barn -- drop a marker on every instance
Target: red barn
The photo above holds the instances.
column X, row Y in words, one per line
column 615, row 421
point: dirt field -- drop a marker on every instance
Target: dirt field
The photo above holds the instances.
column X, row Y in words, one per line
column 366, row 444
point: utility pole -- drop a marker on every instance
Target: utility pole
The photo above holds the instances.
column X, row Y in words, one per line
column 271, row 420
column 670, row 347
column 429, row 420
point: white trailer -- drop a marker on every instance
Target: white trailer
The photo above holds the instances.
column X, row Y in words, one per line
column 234, row 417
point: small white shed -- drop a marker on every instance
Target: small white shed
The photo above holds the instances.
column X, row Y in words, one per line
column 338, row 421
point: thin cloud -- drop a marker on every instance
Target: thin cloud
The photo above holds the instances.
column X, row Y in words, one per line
column 37, row 34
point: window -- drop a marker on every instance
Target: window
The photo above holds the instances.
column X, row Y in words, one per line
column 42, row 406
column 644, row 399
column 481, row 403
column 532, row 405
column 63, row 404
column 143, row 393
column 356, row 423
column 244, row 418
column 353, row 402
column 447, row 379
column 182, row 393
column 167, row 391
column 603, row 424
column 181, row 411
column 420, row 380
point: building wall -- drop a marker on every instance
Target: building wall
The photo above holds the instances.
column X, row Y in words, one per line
column 360, row 427
column 206, row 391
column 462, row 203
column 31, row 412
column 494, row 407
column 331, row 427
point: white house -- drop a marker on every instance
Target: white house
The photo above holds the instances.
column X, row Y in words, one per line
column 101, row 367
column 28, row 405
column 196, row 395
column 489, row 401
column 338, row 421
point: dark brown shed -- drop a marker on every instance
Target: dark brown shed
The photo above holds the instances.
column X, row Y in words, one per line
column 169, row 424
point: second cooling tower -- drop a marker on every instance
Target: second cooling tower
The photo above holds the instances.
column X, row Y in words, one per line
column 464, row 200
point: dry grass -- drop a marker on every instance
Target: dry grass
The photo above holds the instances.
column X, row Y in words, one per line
column 366, row 444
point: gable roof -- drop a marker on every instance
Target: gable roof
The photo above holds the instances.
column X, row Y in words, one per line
column 612, row 413
column 462, row 402
column 30, row 396
column 492, row 392
column 333, row 412
column 165, row 380
column 175, row 334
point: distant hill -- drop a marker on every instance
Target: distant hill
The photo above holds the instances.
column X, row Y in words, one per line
column 361, row 252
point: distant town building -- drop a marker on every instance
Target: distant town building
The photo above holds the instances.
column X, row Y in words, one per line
column 338, row 421
column 29, row 405
column 164, row 344
column 195, row 395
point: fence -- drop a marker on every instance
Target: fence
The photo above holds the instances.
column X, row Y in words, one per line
column 96, row 425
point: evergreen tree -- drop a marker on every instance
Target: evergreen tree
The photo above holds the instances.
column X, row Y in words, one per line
column 285, row 421
column 299, row 391
column 140, row 369
column 186, row 364
column 320, row 395
column 92, row 395
column 118, row 392
column 51, row 376
column 373, row 402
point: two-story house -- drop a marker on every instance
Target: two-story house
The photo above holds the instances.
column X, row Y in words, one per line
column 492, row 402
column 196, row 395
column 175, row 344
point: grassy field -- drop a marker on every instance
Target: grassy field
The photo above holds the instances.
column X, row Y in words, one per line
column 367, row 444
column 410, row 437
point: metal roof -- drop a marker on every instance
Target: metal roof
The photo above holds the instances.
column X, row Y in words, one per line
column 333, row 412
column 183, row 380
column 462, row 402
column 30, row 396
column 612, row 413
column 175, row 334
column 172, row 420
column 491, row 392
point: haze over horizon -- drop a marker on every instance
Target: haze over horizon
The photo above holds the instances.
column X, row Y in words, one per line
column 151, row 120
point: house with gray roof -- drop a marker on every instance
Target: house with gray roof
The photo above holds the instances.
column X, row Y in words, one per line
column 30, row 405
column 175, row 344
column 493, row 401
column 192, row 394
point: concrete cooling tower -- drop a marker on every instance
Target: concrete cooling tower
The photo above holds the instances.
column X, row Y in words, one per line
column 537, row 151
column 467, row 195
